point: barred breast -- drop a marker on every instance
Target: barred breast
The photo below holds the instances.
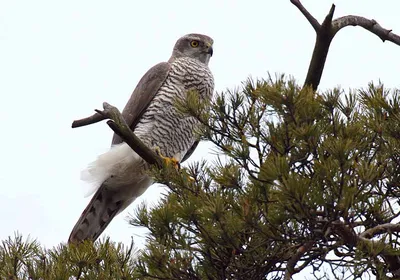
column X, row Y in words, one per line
column 162, row 125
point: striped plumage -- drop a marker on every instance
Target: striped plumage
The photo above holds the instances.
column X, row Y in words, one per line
column 162, row 125
column 119, row 175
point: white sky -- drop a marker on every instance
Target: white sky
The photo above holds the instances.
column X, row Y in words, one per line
column 60, row 60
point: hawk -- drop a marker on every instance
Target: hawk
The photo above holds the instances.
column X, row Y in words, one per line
column 119, row 174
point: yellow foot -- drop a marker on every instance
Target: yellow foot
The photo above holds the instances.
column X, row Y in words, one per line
column 168, row 160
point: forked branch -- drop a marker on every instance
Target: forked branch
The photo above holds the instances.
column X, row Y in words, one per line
column 327, row 31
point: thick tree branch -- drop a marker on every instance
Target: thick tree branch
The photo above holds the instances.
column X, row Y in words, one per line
column 291, row 264
column 380, row 229
column 347, row 234
column 120, row 127
column 327, row 31
column 352, row 239
column 320, row 53
column 369, row 24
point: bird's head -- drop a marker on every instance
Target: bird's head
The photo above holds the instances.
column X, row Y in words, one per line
column 193, row 45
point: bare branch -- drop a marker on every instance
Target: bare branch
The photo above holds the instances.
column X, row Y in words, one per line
column 312, row 20
column 120, row 127
column 327, row 23
column 369, row 24
column 380, row 229
column 96, row 117
column 320, row 53
column 327, row 31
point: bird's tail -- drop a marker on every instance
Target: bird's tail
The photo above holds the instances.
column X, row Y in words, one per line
column 118, row 178
column 96, row 216
column 115, row 166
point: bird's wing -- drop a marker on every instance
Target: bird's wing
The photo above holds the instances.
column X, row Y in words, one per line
column 106, row 204
column 141, row 97
column 190, row 151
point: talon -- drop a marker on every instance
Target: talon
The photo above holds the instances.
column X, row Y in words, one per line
column 171, row 161
column 168, row 160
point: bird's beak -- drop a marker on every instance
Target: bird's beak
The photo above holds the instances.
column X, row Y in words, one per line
column 209, row 49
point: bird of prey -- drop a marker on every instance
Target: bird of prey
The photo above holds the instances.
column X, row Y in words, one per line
column 119, row 174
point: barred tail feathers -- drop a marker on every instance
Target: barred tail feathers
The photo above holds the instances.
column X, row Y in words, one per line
column 117, row 179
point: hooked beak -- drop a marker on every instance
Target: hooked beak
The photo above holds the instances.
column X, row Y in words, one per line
column 210, row 49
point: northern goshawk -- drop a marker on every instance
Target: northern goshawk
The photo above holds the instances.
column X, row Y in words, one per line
column 119, row 175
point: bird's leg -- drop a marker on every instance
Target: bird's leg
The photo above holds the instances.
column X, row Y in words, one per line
column 174, row 162
column 168, row 160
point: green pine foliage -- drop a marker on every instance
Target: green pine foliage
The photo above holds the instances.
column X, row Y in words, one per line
column 304, row 174
column 26, row 259
column 305, row 180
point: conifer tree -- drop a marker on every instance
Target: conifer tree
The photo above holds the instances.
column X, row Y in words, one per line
column 306, row 180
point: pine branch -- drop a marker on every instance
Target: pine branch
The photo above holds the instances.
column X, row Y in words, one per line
column 120, row 127
column 380, row 229
column 327, row 31
column 351, row 238
column 291, row 264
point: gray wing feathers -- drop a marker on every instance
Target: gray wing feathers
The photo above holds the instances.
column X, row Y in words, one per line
column 141, row 97
column 105, row 205
column 190, row 151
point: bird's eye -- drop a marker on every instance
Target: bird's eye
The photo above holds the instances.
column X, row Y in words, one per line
column 194, row 43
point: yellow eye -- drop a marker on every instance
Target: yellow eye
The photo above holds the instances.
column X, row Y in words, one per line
column 194, row 43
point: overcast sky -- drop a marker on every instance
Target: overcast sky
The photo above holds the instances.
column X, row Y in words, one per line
column 60, row 60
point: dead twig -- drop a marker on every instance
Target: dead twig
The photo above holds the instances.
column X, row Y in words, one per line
column 120, row 127
column 96, row 117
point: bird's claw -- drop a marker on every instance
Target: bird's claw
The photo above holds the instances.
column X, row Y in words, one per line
column 168, row 160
